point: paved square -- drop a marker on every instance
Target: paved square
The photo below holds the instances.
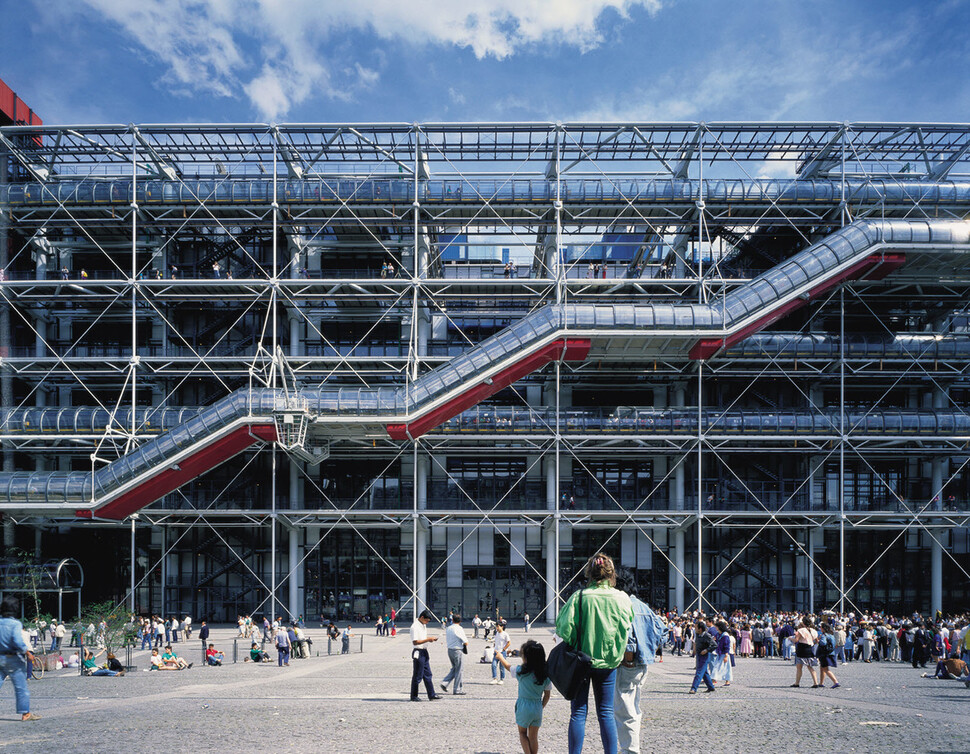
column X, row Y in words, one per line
column 358, row 703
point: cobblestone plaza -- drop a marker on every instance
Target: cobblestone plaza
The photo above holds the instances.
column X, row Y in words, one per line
column 358, row 703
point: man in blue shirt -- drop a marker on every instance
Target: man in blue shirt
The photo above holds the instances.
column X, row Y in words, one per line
column 647, row 632
column 712, row 656
column 14, row 655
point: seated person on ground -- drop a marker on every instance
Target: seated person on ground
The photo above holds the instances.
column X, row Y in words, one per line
column 952, row 670
column 213, row 656
column 173, row 661
column 91, row 666
column 256, row 654
column 157, row 663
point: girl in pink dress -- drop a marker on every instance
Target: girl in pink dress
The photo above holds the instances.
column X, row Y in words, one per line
column 745, row 648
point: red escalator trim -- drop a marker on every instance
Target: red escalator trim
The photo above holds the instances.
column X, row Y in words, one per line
column 570, row 349
column 188, row 469
column 873, row 267
column 888, row 264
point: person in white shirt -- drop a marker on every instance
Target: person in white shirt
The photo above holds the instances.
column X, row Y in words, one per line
column 502, row 644
column 477, row 623
column 457, row 644
column 419, row 656
column 187, row 627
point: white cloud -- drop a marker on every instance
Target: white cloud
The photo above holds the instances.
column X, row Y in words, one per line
column 795, row 79
column 207, row 46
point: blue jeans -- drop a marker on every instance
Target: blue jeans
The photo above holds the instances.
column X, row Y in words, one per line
column 604, row 684
column 701, row 674
column 497, row 666
column 711, row 662
column 15, row 667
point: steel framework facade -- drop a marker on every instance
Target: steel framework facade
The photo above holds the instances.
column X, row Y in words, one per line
column 744, row 374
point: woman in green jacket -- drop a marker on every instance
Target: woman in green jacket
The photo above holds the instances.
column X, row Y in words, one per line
column 607, row 615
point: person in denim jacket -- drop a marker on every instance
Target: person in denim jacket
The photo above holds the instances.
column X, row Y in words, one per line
column 14, row 655
column 647, row 632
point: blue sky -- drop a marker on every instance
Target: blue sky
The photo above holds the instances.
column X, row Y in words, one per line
column 160, row 61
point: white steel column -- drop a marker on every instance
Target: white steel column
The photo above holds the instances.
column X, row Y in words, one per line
column 550, row 545
column 936, row 549
column 421, row 465
column 6, row 375
column 842, row 448
column 550, row 539
column 700, row 477
column 294, row 566
column 809, row 565
column 936, row 578
column 678, row 563
column 131, row 594
column 164, row 568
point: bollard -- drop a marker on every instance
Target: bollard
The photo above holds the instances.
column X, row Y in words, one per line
column 328, row 646
column 204, row 663
column 362, row 644
column 235, row 651
column 129, row 666
column 80, row 654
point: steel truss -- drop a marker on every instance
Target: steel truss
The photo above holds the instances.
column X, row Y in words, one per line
column 305, row 217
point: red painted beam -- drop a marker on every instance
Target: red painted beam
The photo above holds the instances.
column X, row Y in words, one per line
column 873, row 267
column 888, row 264
column 194, row 466
column 569, row 349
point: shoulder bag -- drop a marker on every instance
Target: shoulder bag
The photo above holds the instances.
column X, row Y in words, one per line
column 569, row 667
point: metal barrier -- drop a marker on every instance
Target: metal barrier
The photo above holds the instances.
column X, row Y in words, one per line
column 331, row 642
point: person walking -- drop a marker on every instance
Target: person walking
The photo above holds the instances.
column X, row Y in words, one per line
column 606, row 617
column 805, row 639
column 14, row 656
column 839, row 635
column 477, row 624
column 502, row 644
column 647, row 631
column 421, row 664
column 723, row 670
column 825, row 651
column 457, row 645
column 704, row 645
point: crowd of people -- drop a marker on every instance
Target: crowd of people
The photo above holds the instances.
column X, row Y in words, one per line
column 623, row 636
column 620, row 634
column 828, row 639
